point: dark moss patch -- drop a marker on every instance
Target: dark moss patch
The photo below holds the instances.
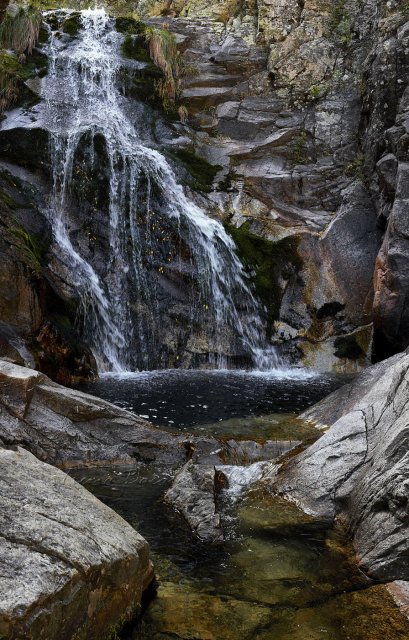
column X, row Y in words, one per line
column 347, row 347
column 129, row 26
column 341, row 23
column 32, row 246
column 72, row 24
column 226, row 183
column 202, row 172
column 7, row 200
column 268, row 262
column 329, row 310
column 43, row 35
column 135, row 48
column 36, row 65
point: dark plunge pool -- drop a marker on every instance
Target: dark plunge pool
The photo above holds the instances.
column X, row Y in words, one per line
column 193, row 400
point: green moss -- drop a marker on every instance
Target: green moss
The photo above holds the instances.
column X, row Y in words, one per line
column 72, row 24
column 7, row 200
column 11, row 76
column 130, row 26
column 267, row 262
column 134, row 45
column 202, row 172
column 299, row 153
column 348, row 347
column 341, row 23
column 135, row 48
column 32, row 245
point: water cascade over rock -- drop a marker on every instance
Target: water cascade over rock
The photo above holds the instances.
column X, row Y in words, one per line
column 150, row 224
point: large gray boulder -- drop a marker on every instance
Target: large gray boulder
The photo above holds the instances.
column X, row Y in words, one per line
column 70, row 566
column 359, row 470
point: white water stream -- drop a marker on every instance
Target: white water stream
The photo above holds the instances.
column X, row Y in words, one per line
column 82, row 100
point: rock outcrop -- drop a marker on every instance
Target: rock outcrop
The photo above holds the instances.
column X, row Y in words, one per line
column 358, row 470
column 276, row 105
column 196, row 491
column 70, row 566
column 303, row 107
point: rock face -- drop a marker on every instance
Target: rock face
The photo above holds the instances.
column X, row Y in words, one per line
column 358, row 470
column 36, row 321
column 71, row 567
column 304, row 106
column 296, row 137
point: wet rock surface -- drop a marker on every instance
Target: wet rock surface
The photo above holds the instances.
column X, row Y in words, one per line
column 193, row 494
column 357, row 471
column 64, row 426
column 295, row 130
column 304, row 108
column 71, row 567
column 297, row 115
column 37, row 321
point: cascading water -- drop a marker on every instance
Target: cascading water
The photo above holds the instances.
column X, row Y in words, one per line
column 87, row 114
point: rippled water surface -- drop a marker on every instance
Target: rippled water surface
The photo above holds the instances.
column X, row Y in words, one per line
column 186, row 399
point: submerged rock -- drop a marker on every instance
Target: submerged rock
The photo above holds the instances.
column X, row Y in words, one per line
column 196, row 490
column 70, row 566
column 183, row 613
column 358, row 471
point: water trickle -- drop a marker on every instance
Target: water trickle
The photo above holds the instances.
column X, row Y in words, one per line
column 89, row 117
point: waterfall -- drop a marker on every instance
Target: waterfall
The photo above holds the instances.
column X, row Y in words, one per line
column 89, row 117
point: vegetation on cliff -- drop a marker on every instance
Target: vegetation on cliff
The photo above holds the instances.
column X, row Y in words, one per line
column 19, row 33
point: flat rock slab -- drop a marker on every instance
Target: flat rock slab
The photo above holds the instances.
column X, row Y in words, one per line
column 70, row 566
column 181, row 613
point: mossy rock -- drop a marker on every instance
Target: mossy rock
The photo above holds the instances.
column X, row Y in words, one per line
column 267, row 262
column 36, row 65
column 7, row 200
column 130, row 26
column 72, row 24
column 202, row 172
column 32, row 246
column 134, row 47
